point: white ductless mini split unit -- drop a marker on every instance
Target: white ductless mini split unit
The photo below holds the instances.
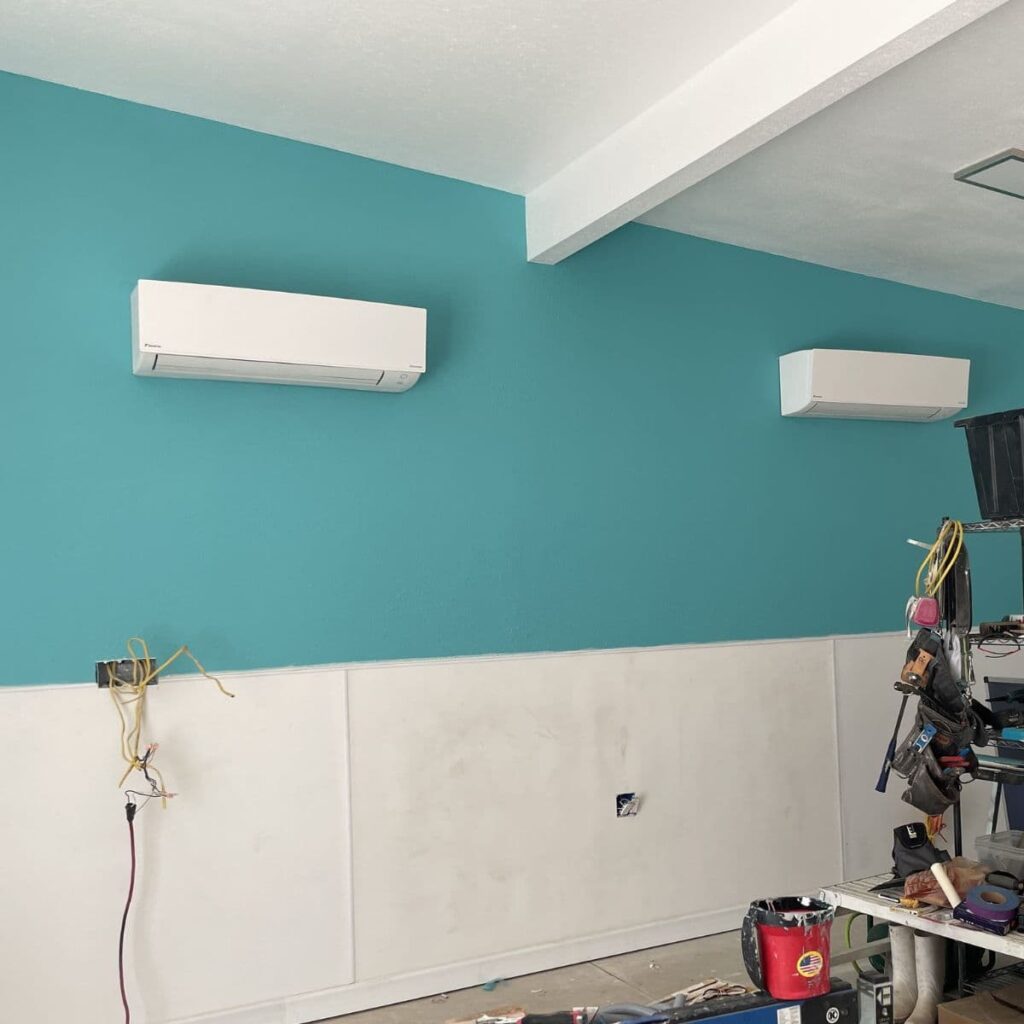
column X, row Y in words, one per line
column 844, row 384
column 216, row 333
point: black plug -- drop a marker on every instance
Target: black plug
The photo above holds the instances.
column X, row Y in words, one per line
column 129, row 811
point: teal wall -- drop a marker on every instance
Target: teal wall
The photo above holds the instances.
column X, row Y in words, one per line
column 594, row 459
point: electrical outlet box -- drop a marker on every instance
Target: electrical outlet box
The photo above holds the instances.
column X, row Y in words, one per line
column 627, row 805
column 127, row 670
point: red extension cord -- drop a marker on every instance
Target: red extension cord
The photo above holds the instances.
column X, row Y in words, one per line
column 130, row 815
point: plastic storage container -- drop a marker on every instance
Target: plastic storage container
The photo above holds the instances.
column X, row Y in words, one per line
column 1003, row 851
column 996, row 446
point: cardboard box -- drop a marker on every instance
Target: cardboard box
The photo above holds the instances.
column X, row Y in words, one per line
column 1003, row 1006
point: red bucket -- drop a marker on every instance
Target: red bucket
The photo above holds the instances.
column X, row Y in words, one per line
column 786, row 946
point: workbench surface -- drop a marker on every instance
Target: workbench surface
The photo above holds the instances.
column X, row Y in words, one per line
column 936, row 920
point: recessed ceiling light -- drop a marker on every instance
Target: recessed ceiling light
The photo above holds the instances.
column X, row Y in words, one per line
column 1003, row 172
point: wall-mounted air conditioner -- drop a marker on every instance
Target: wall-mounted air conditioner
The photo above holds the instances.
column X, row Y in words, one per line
column 216, row 333
column 844, row 384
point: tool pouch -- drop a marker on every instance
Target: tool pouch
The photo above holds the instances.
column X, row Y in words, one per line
column 927, row 668
column 929, row 788
column 912, row 850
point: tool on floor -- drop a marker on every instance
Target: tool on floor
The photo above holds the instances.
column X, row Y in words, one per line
column 705, row 991
column 610, row 1016
column 577, row 1015
column 837, row 1006
column 627, row 1013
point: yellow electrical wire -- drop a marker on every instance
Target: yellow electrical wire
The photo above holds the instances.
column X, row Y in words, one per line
column 131, row 708
column 949, row 542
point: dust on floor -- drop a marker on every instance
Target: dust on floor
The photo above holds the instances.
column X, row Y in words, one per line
column 630, row 978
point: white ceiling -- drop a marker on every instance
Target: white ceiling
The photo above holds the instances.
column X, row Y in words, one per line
column 492, row 91
column 831, row 131
column 867, row 185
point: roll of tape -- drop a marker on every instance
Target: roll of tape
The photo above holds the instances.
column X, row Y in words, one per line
column 992, row 904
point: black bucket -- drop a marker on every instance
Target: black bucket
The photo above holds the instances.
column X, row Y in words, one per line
column 996, row 446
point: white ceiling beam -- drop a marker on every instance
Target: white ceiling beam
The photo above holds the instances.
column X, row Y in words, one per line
column 808, row 57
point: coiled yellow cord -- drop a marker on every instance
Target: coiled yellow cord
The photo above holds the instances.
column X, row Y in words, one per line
column 950, row 542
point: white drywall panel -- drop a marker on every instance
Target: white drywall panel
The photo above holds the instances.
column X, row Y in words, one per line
column 244, row 882
column 483, row 829
column 484, row 795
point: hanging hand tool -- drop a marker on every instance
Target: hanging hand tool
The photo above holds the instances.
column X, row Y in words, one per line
column 883, row 778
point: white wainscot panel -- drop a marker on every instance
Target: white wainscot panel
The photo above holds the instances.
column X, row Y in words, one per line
column 484, row 797
column 244, row 882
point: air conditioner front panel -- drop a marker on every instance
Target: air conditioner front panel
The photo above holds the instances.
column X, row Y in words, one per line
column 883, row 378
column 851, row 384
column 244, row 324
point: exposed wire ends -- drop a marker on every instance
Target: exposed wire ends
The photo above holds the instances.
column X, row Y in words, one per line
column 130, row 703
column 129, row 810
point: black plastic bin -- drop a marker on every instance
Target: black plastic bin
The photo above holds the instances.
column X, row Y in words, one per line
column 996, row 446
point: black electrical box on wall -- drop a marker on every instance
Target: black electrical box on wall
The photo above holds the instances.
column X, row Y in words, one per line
column 125, row 671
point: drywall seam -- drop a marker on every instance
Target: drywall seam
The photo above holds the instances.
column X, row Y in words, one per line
column 346, row 765
column 841, row 836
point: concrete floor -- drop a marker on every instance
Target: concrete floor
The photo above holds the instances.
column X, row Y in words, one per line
column 641, row 977
column 631, row 978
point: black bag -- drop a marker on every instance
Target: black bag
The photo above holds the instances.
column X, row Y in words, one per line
column 927, row 667
column 912, row 850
